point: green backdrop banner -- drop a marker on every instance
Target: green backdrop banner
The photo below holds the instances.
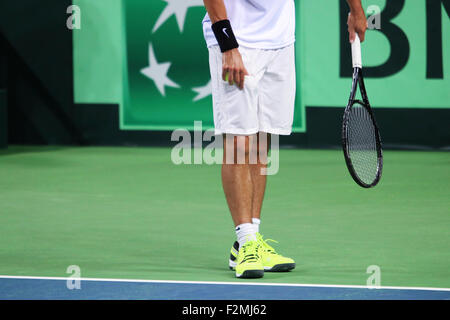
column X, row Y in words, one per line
column 166, row 62
column 98, row 52
column 406, row 61
column 165, row 74
column 167, row 77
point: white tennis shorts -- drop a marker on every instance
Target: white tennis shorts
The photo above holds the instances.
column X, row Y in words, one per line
column 266, row 104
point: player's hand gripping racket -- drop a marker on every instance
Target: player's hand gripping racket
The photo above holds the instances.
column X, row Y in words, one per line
column 360, row 136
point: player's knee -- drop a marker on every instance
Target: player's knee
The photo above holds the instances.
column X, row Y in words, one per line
column 237, row 149
column 242, row 149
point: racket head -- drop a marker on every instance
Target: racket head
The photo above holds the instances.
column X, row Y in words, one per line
column 361, row 144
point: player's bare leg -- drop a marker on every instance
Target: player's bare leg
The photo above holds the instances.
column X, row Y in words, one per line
column 238, row 186
column 259, row 149
column 236, row 178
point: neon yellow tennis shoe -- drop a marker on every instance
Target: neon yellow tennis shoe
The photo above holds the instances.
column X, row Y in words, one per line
column 271, row 260
column 248, row 261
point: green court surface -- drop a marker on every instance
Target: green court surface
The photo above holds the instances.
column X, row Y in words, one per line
column 131, row 213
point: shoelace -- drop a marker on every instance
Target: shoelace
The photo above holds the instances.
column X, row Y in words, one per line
column 250, row 256
column 266, row 246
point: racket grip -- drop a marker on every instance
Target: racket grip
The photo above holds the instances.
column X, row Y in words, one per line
column 356, row 53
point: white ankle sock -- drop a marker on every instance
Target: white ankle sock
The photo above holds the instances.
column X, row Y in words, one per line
column 245, row 232
column 256, row 222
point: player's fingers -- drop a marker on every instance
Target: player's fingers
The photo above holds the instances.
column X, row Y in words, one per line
column 237, row 78
column 352, row 35
column 231, row 77
column 361, row 35
column 225, row 72
column 362, row 30
column 351, row 28
column 241, row 79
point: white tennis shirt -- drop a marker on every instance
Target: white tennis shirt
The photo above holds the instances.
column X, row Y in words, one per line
column 261, row 24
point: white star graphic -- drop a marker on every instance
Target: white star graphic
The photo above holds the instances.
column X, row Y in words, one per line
column 178, row 8
column 158, row 72
column 202, row 92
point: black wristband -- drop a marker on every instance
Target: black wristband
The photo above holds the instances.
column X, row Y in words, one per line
column 224, row 35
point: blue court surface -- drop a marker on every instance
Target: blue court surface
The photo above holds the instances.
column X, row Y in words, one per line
column 35, row 288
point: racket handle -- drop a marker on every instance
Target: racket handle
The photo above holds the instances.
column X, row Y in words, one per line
column 356, row 53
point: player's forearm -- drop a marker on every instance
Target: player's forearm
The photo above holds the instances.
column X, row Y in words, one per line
column 216, row 10
column 355, row 7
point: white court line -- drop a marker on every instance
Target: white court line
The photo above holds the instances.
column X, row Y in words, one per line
column 228, row 283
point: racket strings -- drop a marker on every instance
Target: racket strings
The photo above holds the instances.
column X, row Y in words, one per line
column 362, row 145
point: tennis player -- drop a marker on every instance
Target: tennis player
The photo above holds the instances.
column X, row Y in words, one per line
column 252, row 64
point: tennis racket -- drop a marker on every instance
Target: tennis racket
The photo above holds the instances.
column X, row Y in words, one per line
column 360, row 136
